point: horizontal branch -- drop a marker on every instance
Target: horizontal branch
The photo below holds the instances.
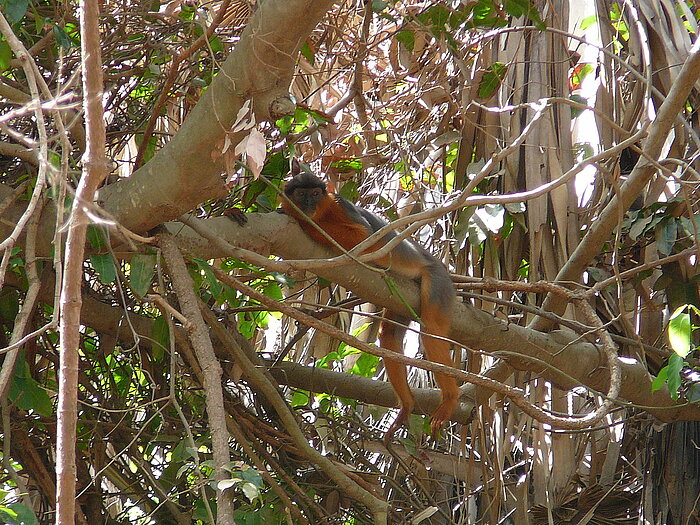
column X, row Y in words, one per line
column 559, row 356
column 362, row 389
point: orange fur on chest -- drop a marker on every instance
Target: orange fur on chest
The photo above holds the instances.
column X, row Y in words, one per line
column 334, row 220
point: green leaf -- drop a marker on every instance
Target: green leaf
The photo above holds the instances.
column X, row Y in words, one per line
column 251, row 491
column 5, row 55
column 520, row 8
column 216, row 45
column 26, row 393
column 16, row 513
column 245, row 327
column 187, row 12
column 689, row 226
column 7, row 515
column 62, row 37
column 588, row 22
column 379, row 5
column 639, row 226
column 96, row 237
column 350, row 191
column 200, row 511
column 660, row 379
column 180, row 452
column 104, row 266
column 308, row 53
column 141, row 272
column 252, row 476
column 301, row 398
column 273, row 290
column 15, row 10
column 437, row 17
column 675, row 365
column 9, row 303
column 226, row 484
column 483, row 14
column 693, row 393
column 580, row 73
column 366, row 365
column 492, row 79
column 679, row 331
column 347, row 165
column 406, row 38
column 210, row 279
column 161, row 337
column 666, row 235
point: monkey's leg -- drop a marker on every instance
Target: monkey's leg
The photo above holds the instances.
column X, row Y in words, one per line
column 391, row 338
column 436, row 315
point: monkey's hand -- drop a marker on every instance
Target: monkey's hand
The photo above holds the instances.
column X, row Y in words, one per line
column 237, row 215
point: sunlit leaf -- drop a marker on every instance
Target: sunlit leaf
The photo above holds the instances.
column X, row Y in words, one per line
column 226, row 484
column 492, row 79
column 104, row 266
column 588, row 22
column 366, row 365
column 679, row 331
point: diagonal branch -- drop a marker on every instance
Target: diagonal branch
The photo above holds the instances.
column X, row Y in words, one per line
column 211, row 371
column 184, row 173
column 603, row 226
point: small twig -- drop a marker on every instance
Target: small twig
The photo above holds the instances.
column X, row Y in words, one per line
column 166, row 308
column 27, row 310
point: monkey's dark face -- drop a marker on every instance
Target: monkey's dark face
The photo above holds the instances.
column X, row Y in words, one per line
column 307, row 198
column 306, row 191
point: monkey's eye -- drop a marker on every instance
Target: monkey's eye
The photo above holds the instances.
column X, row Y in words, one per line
column 316, row 192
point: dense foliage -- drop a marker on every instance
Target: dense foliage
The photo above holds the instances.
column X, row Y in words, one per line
column 530, row 129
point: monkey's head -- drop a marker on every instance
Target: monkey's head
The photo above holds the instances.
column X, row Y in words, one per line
column 305, row 190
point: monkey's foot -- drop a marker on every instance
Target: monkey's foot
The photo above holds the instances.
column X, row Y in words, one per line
column 442, row 414
column 400, row 419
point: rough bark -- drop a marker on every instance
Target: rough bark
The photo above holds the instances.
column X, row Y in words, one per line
column 188, row 169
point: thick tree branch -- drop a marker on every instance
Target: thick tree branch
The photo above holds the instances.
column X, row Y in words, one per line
column 184, row 172
column 558, row 356
column 363, row 389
